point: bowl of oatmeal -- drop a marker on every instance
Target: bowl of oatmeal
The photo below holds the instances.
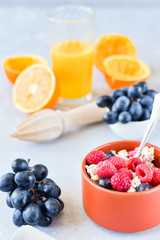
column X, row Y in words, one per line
column 122, row 192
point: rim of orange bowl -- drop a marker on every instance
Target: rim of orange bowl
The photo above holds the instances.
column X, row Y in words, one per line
column 113, row 191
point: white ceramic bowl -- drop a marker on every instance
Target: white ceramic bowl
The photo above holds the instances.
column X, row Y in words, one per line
column 130, row 131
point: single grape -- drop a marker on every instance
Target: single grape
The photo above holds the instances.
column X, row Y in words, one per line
column 30, row 193
column 136, row 110
column 8, row 200
column 40, row 171
column 51, row 207
column 110, row 117
column 45, row 180
column 122, row 104
column 18, row 218
column 25, row 179
column 7, row 182
column 124, row 117
column 20, row 198
column 145, row 115
column 20, row 165
column 151, row 93
column 32, row 213
column 104, row 101
column 36, row 186
column 39, row 202
column 61, row 202
column 116, row 94
column 146, row 101
column 143, row 85
column 45, row 221
column 50, row 190
column 124, row 90
column 134, row 92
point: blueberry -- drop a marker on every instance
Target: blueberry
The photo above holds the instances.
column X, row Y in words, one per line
column 113, row 108
column 145, row 115
column 50, row 190
column 40, row 171
column 104, row 101
column 25, row 179
column 105, row 182
column 51, row 207
column 151, row 93
column 134, row 91
column 124, row 117
column 146, row 101
column 18, row 218
column 20, row 198
column 45, row 221
column 116, row 94
column 150, row 109
column 110, row 117
column 61, row 203
column 20, row 165
column 142, row 187
column 122, row 104
column 109, row 155
column 8, row 200
column 136, row 110
column 7, row 182
column 143, row 85
column 32, row 214
column 124, row 90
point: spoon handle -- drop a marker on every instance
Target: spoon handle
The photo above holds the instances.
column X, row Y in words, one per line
column 155, row 115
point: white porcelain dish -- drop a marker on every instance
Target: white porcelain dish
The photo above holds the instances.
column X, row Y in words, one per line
column 130, row 131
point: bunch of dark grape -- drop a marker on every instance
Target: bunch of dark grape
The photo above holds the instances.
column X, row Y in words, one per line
column 34, row 196
column 128, row 104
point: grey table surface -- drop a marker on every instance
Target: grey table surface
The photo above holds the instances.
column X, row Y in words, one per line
column 23, row 29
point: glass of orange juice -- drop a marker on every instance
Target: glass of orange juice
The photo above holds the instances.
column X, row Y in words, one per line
column 71, row 29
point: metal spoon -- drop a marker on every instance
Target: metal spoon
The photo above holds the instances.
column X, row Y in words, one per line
column 155, row 115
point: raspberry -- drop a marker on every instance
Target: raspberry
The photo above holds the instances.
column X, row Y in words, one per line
column 121, row 182
column 132, row 153
column 118, row 162
column 156, row 177
column 144, row 173
column 126, row 171
column 95, row 157
column 105, row 169
column 133, row 163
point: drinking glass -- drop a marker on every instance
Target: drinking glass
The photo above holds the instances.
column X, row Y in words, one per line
column 71, row 31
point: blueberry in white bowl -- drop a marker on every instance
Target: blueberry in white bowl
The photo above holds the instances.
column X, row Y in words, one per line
column 128, row 108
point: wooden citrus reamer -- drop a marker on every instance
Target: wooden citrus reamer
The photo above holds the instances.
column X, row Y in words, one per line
column 47, row 124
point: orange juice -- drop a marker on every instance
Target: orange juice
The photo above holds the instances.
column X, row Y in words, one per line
column 72, row 64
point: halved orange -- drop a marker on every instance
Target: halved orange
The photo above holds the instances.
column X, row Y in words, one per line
column 123, row 71
column 13, row 66
column 35, row 88
column 109, row 45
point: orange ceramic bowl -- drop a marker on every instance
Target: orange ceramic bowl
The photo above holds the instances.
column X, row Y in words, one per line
column 121, row 211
